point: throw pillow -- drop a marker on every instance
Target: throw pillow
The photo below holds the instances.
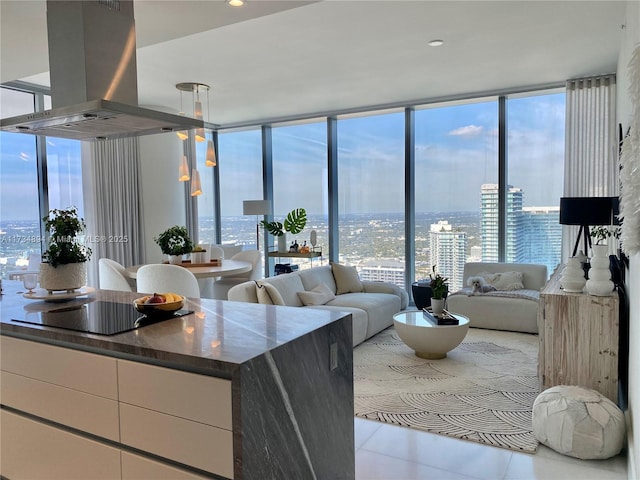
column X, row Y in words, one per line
column 508, row 281
column 318, row 295
column 347, row 279
column 268, row 294
column 489, row 278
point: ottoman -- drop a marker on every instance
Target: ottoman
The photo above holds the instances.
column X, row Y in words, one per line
column 578, row 422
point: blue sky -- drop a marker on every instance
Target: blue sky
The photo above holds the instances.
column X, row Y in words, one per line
column 456, row 152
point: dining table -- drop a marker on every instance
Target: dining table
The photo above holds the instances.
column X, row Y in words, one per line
column 227, row 268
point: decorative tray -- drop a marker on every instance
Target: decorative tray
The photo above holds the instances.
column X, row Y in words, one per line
column 445, row 319
column 60, row 296
column 217, row 262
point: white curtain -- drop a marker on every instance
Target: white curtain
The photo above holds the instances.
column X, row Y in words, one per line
column 113, row 202
column 591, row 158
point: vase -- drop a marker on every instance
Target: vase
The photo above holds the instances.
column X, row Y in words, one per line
column 175, row 259
column 69, row 277
column 573, row 280
column 599, row 282
column 437, row 306
column 282, row 243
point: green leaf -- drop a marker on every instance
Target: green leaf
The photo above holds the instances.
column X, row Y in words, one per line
column 295, row 221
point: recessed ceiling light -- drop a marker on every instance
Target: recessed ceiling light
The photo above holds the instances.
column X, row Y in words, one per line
column 235, row 3
column 436, row 43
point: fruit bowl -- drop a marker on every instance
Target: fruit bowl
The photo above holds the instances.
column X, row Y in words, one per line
column 172, row 303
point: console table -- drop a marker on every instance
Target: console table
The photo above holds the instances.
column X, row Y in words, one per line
column 578, row 339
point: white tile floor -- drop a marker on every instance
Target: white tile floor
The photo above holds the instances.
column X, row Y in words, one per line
column 385, row 451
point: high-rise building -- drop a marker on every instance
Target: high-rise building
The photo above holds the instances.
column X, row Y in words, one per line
column 448, row 252
column 382, row 270
column 534, row 234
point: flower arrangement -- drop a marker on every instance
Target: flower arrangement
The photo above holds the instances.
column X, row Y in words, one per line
column 294, row 222
column 174, row 241
column 439, row 284
column 64, row 245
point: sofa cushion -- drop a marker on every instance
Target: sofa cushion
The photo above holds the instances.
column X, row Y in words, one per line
column 358, row 320
column 268, row 294
column 313, row 276
column 380, row 308
column 319, row 295
column 288, row 285
column 508, row 281
column 347, row 279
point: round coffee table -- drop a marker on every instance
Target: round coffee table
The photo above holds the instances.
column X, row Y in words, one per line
column 427, row 339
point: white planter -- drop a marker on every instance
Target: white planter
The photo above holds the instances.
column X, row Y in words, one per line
column 175, row 259
column 198, row 257
column 70, row 276
column 282, row 243
column 437, row 306
column 599, row 282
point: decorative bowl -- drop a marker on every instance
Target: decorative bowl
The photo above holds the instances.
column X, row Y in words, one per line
column 158, row 309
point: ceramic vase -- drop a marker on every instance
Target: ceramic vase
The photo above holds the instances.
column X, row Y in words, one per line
column 599, row 282
column 573, row 280
column 175, row 259
column 282, row 243
column 437, row 306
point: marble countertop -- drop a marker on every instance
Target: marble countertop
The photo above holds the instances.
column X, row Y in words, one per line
column 216, row 339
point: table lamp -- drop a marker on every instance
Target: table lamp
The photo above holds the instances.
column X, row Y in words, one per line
column 257, row 208
column 586, row 212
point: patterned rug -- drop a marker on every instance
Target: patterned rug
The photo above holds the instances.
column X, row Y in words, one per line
column 483, row 391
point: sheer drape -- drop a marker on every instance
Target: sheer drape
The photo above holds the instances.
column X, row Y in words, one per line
column 113, row 206
column 590, row 166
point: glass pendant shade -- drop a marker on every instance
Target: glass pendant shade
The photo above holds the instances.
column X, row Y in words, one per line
column 200, row 135
column 197, row 109
column 196, row 188
column 210, row 160
column 182, row 134
column 183, row 172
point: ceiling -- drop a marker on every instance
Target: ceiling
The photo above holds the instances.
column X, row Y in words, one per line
column 285, row 59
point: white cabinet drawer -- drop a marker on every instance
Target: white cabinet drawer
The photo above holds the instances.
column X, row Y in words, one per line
column 187, row 395
column 136, row 467
column 69, row 368
column 31, row 450
column 90, row 413
column 192, row 443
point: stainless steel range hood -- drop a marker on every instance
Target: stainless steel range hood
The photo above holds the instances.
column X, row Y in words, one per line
column 94, row 87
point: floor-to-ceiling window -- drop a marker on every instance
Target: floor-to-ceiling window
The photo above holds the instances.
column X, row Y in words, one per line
column 20, row 197
column 240, row 167
column 535, row 172
column 300, row 178
column 456, row 157
column 207, row 200
column 371, row 195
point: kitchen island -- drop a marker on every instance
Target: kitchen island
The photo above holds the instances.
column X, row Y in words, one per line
column 232, row 390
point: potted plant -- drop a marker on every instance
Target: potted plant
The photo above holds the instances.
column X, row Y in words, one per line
column 439, row 288
column 175, row 243
column 294, row 222
column 64, row 262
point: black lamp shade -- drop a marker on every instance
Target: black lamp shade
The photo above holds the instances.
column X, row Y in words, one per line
column 589, row 210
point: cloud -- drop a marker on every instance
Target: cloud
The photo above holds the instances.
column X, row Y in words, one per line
column 468, row 131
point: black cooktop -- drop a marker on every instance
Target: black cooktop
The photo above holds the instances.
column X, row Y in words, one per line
column 99, row 317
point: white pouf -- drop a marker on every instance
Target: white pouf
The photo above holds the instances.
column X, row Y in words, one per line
column 578, row 422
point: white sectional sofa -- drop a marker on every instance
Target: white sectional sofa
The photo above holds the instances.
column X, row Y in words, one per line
column 330, row 287
column 513, row 307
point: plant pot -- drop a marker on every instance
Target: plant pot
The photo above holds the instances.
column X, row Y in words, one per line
column 175, row 259
column 437, row 306
column 282, row 243
column 69, row 277
column 198, row 257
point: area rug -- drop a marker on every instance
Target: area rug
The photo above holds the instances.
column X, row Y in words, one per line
column 483, row 391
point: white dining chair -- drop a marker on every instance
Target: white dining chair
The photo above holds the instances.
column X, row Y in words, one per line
column 216, row 252
column 221, row 287
column 113, row 276
column 161, row 278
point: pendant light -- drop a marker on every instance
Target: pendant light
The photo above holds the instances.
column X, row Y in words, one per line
column 183, row 171
column 210, row 159
column 196, row 187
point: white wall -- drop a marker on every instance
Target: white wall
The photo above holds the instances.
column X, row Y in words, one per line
column 631, row 40
column 162, row 194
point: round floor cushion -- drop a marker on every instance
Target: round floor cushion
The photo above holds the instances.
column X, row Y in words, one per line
column 578, row 422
